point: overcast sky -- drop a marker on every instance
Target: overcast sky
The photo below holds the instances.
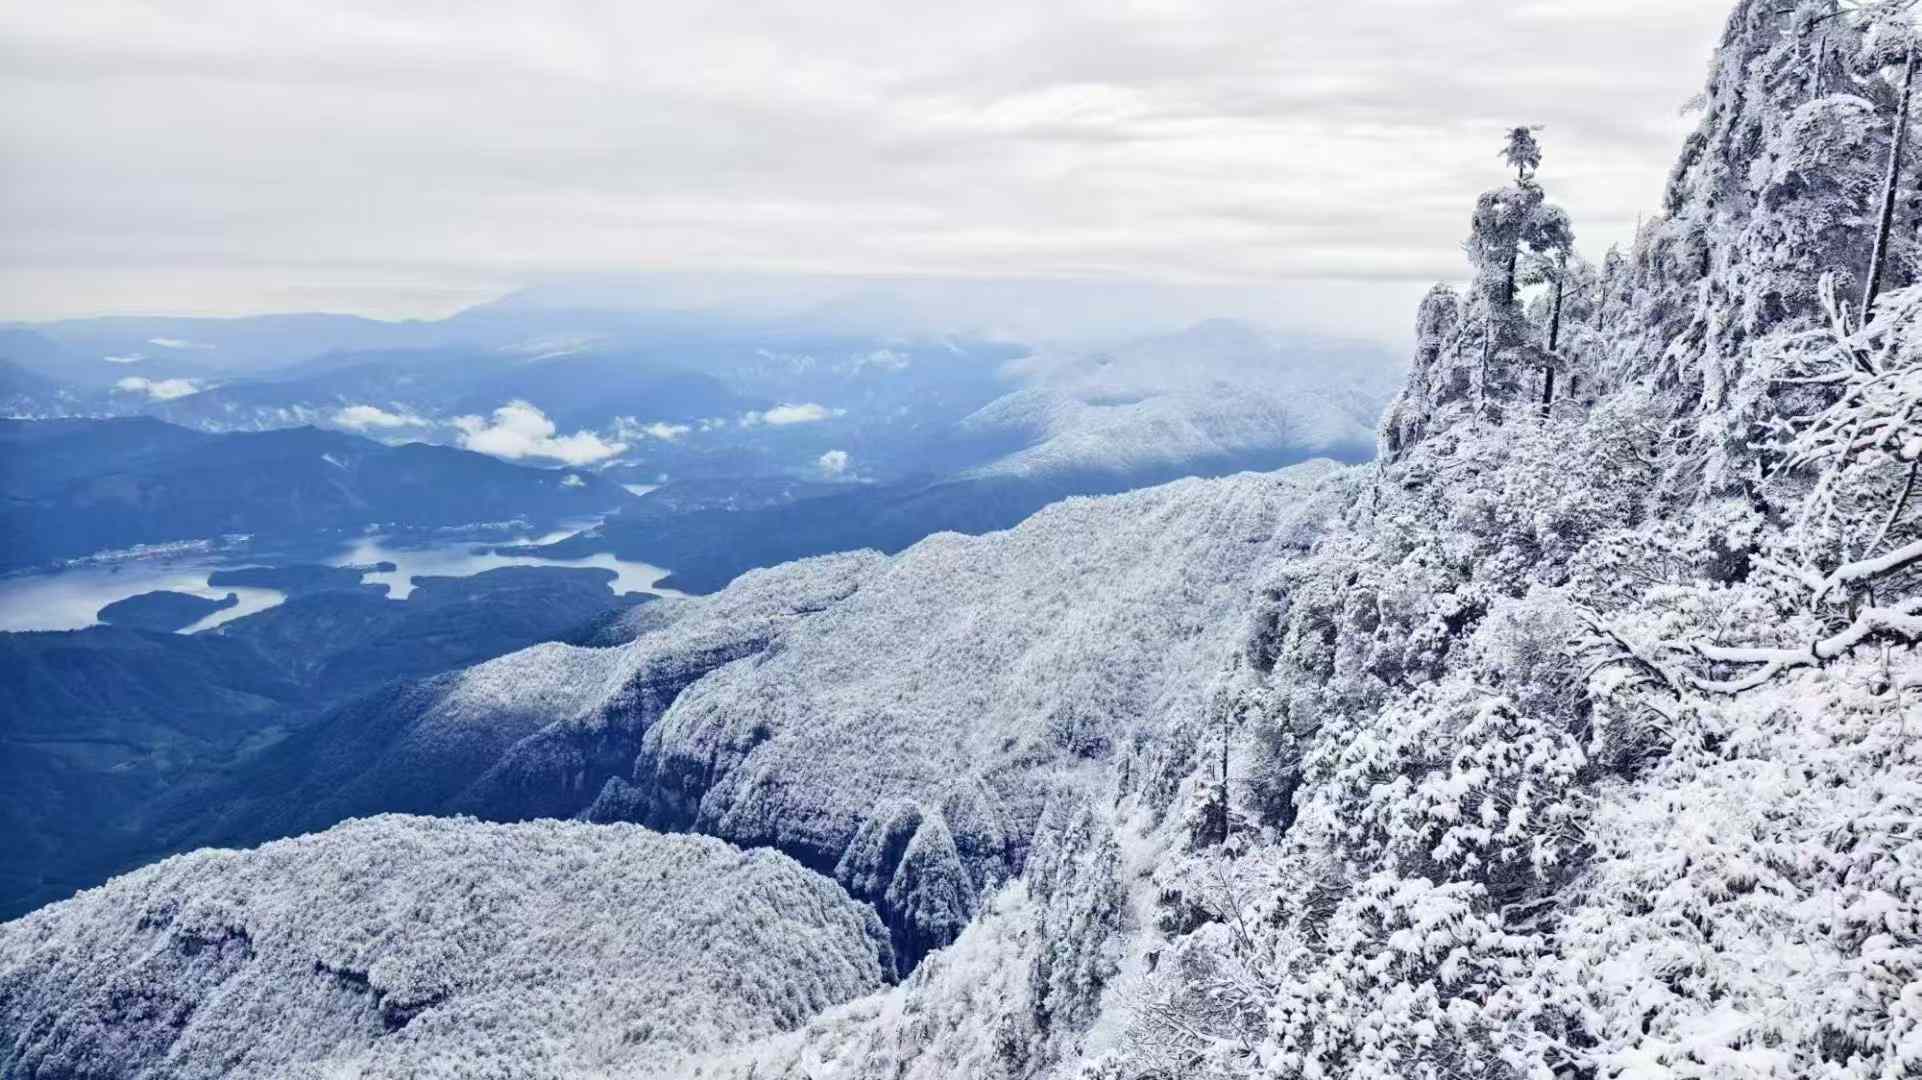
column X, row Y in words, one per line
column 405, row 158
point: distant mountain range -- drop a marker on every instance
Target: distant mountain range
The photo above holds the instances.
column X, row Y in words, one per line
column 74, row 488
column 1217, row 399
column 888, row 439
column 698, row 392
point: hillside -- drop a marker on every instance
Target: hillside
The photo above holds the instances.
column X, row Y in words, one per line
column 1218, row 395
column 417, row 747
column 555, row 950
column 1574, row 738
column 835, row 709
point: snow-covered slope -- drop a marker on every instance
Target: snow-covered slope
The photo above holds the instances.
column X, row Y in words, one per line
column 1218, row 392
column 923, row 729
column 531, row 734
column 920, row 726
column 898, row 723
column 413, row 947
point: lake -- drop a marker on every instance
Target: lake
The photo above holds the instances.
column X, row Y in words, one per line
column 462, row 560
column 69, row 599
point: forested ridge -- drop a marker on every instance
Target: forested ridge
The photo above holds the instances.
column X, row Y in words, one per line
column 1588, row 748
column 1576, row 737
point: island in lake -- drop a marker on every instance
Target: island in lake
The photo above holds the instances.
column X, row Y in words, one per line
column 164, row 610
column 299, row 578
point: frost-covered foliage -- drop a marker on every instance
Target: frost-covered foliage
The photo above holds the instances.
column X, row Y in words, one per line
column 1588, row 748
column 910, row 736
column 414, row 947
column 1013, row 996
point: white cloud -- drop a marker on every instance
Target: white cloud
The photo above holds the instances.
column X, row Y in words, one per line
column 785, row 415
column 520, row 430
column 573, row 481
column 363, row 417
column 884, row 360
column 134, row 358
column 627, row 427
column 553, row 348
column 834, row 463
column 157, row 389
column 176, row 343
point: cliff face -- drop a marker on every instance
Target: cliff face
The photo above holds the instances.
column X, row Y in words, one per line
column 1575, row 732
column 1776, row 189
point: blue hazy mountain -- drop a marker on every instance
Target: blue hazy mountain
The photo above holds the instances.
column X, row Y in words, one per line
column 1218, row 398
column 77, row 487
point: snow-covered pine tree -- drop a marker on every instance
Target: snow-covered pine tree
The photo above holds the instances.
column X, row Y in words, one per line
column 1523, row 153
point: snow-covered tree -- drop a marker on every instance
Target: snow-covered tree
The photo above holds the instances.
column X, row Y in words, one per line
column 1523, row 153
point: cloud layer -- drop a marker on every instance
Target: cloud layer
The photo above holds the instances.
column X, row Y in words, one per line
column 519, row 430
column 627, row 427
column 1238, row 141
column 788, row 415
column 157, row 389
column 371, row 417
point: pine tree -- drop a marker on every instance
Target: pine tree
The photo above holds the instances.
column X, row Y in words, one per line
column 1523, row 153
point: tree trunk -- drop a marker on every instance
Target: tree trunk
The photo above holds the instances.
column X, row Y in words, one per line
column 1227, row 826
column 1555, row 319
column 1878, row 259
column 1488, row 346
column 1554, row 336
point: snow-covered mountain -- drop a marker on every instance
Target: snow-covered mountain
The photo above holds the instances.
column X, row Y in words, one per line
column 1575, row 738
column 535, row 733
column 902, row 724
column 1218, row 392
column 413, row 947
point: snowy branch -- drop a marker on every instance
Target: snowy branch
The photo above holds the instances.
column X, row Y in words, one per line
column 1902, row 622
